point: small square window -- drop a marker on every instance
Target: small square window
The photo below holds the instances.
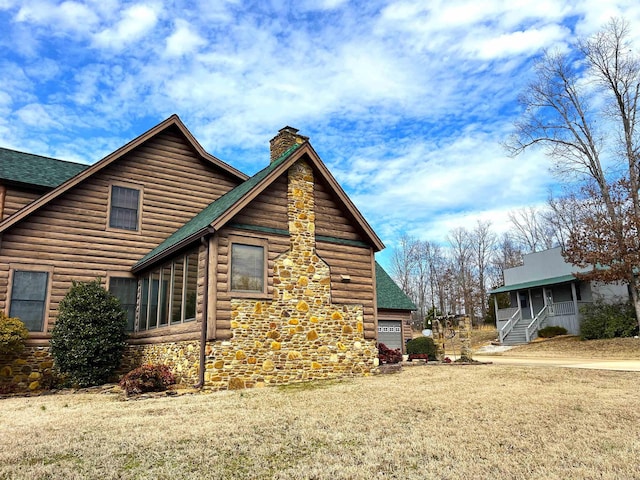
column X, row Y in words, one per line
column 28, row 298
column 247, row 268
column 124, row 208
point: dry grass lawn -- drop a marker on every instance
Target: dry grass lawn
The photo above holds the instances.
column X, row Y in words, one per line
column 427, row 422
column 566, row 346
column 573, row 347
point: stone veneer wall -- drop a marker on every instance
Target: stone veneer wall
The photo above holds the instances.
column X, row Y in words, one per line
column 181, row 357
column 27, row 370
column 298, row 335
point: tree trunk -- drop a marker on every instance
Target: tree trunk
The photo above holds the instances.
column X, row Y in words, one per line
column 634, row 285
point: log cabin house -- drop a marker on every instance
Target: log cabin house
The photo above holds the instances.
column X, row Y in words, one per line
column 233, row 281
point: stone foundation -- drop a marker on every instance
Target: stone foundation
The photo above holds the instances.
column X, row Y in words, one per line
column 27, row 370
column 181, row 357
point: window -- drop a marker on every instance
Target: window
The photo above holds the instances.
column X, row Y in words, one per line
column 28, row 298
column 126, row 290
column 191, row 286
column 125, row 203
column 168, row 294
column 247, row 268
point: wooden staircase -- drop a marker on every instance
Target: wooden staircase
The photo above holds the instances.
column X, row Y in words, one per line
column 518, row 335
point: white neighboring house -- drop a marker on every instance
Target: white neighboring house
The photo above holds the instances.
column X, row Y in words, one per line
column 544, row 292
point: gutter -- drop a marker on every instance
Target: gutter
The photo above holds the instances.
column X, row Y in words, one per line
column 205, row 314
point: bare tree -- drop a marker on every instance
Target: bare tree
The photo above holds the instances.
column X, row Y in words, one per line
column 583, row 108
column 508, row 254
column 483, row 242
column 461, row 255
column 531, row 229
column 403, row 263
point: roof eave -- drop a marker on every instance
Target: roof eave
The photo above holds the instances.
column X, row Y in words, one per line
column 185, row 242
column 534, row 284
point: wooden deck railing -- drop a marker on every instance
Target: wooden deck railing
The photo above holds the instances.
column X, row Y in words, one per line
column 537, row 323
column 562, row 308
column 515, row 318
column 506, row 313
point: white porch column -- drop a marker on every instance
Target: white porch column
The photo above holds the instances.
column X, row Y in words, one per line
column 574, row 297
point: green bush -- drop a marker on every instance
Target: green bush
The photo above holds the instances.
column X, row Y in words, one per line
column 603, row 320
column 551, row 331
column 422, row 345
column 88, row 338
column 147, row 378
column 13, row 334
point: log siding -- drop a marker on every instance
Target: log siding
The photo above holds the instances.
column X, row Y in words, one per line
column 14, row 198
column 70, row 234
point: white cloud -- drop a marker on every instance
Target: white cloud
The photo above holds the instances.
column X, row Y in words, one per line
column 322, row 4
column 36, row 116
column 183, row 40
column 519, row 42
column 133, row 24
column 66, row 16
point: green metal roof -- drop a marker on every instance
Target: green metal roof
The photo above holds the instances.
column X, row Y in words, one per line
column 202, row 221
column 32, row 169
column 535, row 283
column 389, row 294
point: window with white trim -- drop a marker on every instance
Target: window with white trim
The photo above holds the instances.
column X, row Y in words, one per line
column 125, row 206
column 28, row 298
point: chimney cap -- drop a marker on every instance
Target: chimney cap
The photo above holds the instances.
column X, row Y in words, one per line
column 286, row 138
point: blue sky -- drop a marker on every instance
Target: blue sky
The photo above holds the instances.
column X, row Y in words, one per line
column 406, row 102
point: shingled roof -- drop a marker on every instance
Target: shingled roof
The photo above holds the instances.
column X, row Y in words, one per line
column 390, row 295
column 26, row 168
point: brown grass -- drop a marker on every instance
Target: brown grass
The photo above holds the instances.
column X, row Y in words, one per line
column 572, row 347
column 428, row 422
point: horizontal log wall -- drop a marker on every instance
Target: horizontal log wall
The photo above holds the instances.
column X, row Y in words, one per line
column 16, row 198
column 70, row 234
column 269, row 209
column 332, row 219
column 356, row 263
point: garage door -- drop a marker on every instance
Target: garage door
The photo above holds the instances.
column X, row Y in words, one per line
column 390, row 333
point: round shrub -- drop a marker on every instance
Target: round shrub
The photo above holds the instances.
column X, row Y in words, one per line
column 88, row 338
column 147, row 378
column 13, row 334
column 603, row 320
column 551, row 331
column 422, row 346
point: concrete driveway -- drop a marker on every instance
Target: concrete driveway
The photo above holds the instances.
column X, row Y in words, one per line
column 621, row 365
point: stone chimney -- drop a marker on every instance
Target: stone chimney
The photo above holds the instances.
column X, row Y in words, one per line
column 286, row 138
